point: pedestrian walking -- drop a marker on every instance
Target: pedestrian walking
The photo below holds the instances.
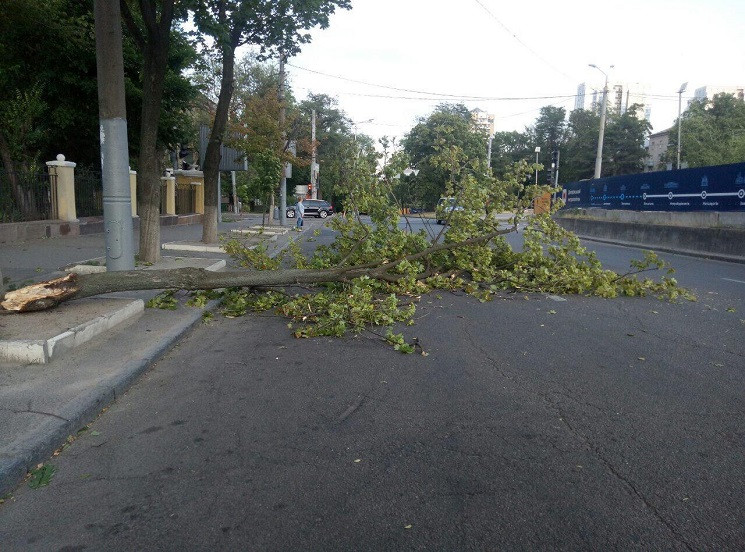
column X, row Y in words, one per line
column 299, row 212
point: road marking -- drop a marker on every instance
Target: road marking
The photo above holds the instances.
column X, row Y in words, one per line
column 556, row 298
column 732, row 280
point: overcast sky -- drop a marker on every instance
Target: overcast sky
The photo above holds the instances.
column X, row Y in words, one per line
column 453, row 50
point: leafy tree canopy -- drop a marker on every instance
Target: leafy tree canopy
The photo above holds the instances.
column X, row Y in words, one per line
column 449, row 126
column 713, row 132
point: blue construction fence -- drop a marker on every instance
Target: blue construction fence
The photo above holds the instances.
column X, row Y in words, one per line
column 715, row 188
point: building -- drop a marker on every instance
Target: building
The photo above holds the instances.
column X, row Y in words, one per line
column 708, row 92
column 483, row 120
column 657, row 148
column 621, row 96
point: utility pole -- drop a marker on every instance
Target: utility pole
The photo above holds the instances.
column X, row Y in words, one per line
column 282, row 115
column 603, row 109
column 680, row 103
column 219, row 196
column 488, row 151
column 112, row 116
column 313, row 168
column 236, row 210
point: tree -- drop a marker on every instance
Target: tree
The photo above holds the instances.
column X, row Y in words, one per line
column 151, row 30
column 550, row 130
column 449, row 126
column 578, row 155
column 623, row 149
column 713, row 132
column 510, row 147
column 373, row 274
column 273, row 26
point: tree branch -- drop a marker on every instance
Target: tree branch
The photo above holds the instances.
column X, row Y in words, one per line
column 129, row 21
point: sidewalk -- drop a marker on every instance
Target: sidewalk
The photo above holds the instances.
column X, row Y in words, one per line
column 83, row 354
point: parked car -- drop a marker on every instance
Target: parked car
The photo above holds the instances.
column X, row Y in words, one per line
column 445, row 206
column 313, row 208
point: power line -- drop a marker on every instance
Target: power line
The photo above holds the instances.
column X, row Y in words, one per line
column 435, row 95
column 517, row 38
column 434, row 98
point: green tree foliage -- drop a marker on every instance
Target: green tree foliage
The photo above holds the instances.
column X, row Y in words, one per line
column 48, row 97
column 576, row 139
column 48, row 53
column 578, row 153
column 510, row 147
column 713, row 132
column 448, row 126
column 374, row 273
column 550, row 131
column 623, row 147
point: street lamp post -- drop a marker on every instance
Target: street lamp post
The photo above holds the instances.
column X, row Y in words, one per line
column 680, row 101
column 537, row 151
column 599, row 155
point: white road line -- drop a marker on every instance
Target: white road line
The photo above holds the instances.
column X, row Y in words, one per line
column 733, row 280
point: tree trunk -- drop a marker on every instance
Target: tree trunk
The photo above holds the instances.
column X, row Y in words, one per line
column 48, row 294
column 154, row 45
column 73, row 286
column 148, row 181
column 212, row 156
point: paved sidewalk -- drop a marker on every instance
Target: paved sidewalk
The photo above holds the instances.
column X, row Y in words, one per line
column 43, row 404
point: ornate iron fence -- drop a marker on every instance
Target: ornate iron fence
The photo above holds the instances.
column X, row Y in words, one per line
column 27, row 196
column 88, row 192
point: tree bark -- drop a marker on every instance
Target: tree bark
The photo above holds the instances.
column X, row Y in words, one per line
column 154, row 44
column 212, row 155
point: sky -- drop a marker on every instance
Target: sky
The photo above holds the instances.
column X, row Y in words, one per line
column 489, row 53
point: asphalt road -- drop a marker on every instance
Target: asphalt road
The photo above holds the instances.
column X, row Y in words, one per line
column 533, row 424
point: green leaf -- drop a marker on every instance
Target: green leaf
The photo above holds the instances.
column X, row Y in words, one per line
column 41, row 475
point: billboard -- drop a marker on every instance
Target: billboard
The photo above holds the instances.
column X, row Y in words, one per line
column 715, row 188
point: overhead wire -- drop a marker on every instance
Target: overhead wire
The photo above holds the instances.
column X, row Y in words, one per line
column 517, row 38
column 435, row 95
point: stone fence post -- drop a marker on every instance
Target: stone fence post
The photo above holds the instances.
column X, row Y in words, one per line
column 170, row 182
column 133, row 190
column 64, row 171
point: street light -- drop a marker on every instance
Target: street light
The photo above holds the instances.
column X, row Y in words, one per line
column 680, row 101
column 537, row 151
column 599, row 156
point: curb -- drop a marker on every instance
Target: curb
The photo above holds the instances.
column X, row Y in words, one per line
column 41, row 351
column 42, row 443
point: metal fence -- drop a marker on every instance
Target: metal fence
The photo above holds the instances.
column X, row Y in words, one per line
column 186, row 199
column 713, row 188
column 27, row 196
column 88, row 192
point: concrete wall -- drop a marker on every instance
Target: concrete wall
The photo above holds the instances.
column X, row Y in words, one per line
column 693, row 219
column 12, row 232
column 717, row 235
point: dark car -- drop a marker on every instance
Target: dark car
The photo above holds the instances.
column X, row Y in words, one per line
column 313, row 208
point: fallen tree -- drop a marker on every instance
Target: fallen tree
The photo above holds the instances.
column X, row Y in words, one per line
column 374, row 273
column 48, row 294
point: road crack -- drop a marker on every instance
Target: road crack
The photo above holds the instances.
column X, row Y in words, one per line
column 625, row 481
